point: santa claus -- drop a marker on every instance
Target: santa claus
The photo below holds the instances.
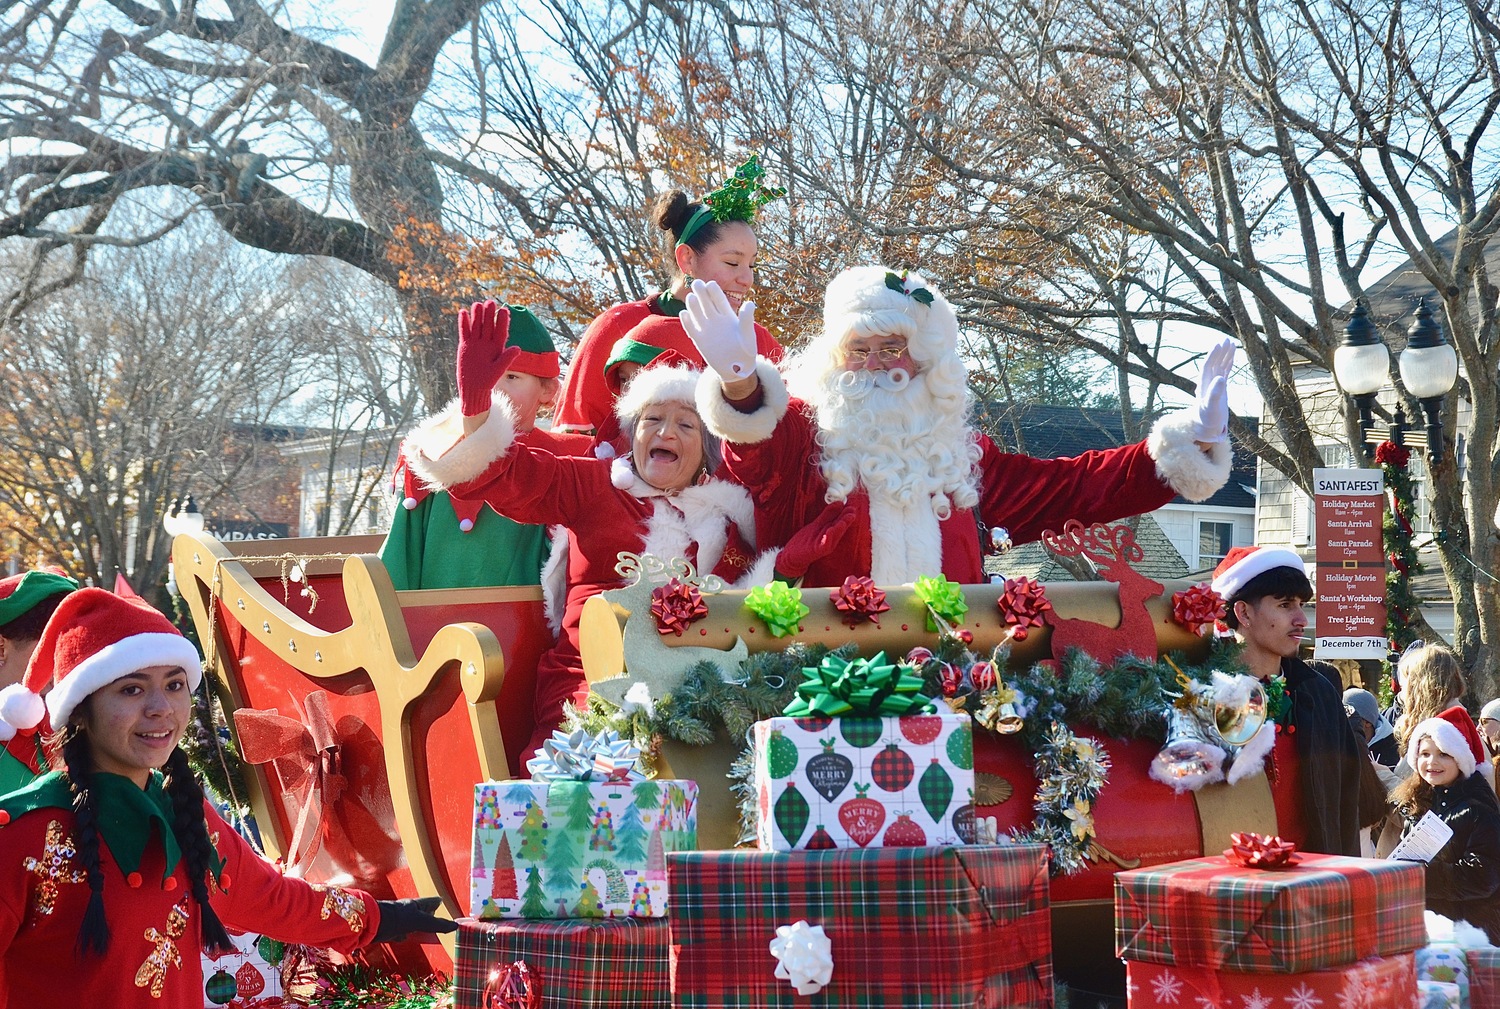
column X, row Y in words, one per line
column 860, row 458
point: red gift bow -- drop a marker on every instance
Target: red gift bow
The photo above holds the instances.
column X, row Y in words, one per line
column 859, row 600
column 1197, row 607
column 513, row 987
column 675, row 605
column 306, row 758
column 1021, row 605
column 1259, row 851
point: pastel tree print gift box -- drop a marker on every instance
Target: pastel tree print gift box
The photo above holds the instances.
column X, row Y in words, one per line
column 861, row 760
column 559, row 847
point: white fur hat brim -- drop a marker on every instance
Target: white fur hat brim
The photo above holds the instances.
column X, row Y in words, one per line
column 120, row 659
column 1448, row 739
column 1229, row 582
column 650, row 386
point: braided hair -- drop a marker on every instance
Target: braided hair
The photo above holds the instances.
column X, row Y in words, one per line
column 188, row 827
column 78, row 764
column 197, row 850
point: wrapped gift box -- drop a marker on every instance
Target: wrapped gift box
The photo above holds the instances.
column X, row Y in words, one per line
column 1445, row 963
column 861, row 781
column 1376, row 983
column 1323, row 911
column 577, row 849
column 581, row 964
column 1484, row 977
column 1439, row 995
column 937, row 928
column 247, row 978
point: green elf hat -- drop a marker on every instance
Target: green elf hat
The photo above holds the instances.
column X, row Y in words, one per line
column 538, row 352
column 629, row 351
column 19, row 593
column 738, row 199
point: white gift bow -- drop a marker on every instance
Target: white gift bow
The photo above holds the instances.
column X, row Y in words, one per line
column 804, row 956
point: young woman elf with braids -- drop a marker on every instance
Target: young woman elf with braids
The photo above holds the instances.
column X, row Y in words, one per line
column 116, row 873
column 711, row 240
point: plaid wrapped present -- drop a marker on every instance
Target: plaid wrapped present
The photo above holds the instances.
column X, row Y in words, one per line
column 908, row 927
column 582, row 964
column 1484, row 977
column 577, row 849
column 1376, row 983
column 1323, row 911
column 861, row 781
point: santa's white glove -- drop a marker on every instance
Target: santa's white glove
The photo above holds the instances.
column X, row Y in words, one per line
column 725, row 339
column 1213, row 394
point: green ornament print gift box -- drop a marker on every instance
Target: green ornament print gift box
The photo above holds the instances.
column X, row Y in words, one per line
column 861, row 781
column 578, row 849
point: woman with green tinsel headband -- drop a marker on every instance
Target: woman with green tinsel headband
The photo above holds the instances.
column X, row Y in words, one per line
column 712, row 239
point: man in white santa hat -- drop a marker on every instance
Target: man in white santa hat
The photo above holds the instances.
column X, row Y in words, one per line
column 861, row 459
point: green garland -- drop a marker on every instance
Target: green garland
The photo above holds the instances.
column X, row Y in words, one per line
column 360, row 986
column 1124, row 700
column 1403, row 562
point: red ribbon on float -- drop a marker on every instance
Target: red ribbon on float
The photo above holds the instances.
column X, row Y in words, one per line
column 1260, row 851
column 1197, row 607
column 306, row 758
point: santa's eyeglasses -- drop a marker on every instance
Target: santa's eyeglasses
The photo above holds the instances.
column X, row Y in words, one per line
column 885, row 355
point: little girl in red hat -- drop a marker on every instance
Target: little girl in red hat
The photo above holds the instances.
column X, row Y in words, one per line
column 1463, row 879
column 119, row 874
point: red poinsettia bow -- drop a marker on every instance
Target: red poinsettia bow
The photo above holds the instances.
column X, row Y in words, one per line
column 306, row 757
column 1259, row 851
column 1021, row 605
column 859, row 600
column 1197, row 607
column 675, row 605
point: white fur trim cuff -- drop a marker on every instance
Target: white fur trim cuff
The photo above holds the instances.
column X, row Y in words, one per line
column 126, row 656
column 441, row 462
column 744, row 428
column 1182, row 464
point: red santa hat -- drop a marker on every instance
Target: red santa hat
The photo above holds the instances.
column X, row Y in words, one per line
column 94, row 638
column 1242, row 564
column 658, row 384
column 1453, row 732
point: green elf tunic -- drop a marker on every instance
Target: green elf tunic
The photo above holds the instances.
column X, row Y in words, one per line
column 440, row 542
column 155, row 951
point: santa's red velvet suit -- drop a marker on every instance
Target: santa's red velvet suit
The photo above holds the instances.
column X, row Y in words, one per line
column 606, row 510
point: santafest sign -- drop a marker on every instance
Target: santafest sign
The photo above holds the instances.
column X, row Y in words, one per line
column 1349, row 506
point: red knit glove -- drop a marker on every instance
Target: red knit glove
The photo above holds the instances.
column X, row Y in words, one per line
column 816, row 540
column 483, row 357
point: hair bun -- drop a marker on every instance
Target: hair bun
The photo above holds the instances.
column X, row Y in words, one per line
column 672, row 210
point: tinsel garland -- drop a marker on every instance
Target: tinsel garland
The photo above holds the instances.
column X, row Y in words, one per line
column 1071, row 771
column 1400, row 549
column 360, row 986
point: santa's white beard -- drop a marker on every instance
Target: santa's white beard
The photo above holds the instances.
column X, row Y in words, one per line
column 914, row 455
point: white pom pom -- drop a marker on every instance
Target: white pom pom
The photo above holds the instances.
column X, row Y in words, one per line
column 408, row 503
column 7, row 732
column 621, row 474
column 21, row 708
column 465, row 525
column 604, row 450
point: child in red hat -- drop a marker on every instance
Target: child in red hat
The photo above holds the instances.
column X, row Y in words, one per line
column 120, row 873
column 1463, row 879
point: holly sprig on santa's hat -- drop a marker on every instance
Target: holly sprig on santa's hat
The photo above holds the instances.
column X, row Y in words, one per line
column 909, row 284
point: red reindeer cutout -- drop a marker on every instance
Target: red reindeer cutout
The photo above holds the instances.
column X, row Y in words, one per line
column 1112, row 549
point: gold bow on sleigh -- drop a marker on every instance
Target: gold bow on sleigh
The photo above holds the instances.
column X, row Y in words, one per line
column 306, row 757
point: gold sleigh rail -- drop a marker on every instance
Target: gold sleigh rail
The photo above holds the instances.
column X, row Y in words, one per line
column 377, row 642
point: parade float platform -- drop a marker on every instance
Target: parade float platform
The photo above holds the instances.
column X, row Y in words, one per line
column 402, row 701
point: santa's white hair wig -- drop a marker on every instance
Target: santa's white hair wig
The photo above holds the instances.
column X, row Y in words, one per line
column 906, row 444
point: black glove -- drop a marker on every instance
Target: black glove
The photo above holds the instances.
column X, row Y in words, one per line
column 399, row 918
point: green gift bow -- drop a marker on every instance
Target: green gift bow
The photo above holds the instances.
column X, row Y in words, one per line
column 839, row 686
column 779, row 605
column 942, row 597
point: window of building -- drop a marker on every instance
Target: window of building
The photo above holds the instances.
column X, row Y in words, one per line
column 1215, row 539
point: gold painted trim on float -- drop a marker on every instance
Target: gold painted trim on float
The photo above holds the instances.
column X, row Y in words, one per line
column 376, row 641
